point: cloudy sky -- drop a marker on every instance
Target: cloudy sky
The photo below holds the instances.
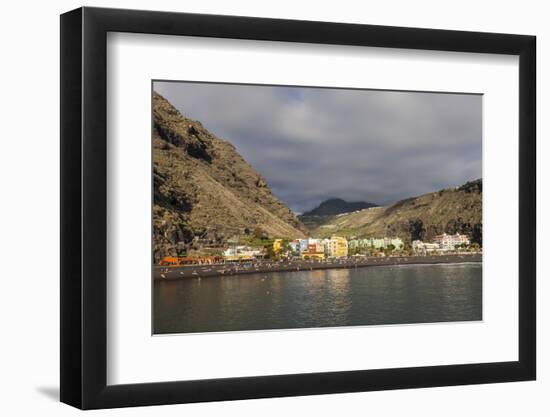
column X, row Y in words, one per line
column 360, row 145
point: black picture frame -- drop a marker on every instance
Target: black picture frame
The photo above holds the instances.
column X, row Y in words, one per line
column 84, row 207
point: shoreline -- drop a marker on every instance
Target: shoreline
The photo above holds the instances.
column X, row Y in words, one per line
column 165, row 273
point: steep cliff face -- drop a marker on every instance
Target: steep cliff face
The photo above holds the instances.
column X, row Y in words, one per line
column 204, row 191
column 451, row 210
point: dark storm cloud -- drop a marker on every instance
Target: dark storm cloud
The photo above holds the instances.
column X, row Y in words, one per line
column 312, row 144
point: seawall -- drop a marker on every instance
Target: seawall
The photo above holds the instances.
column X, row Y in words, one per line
column 220, row 270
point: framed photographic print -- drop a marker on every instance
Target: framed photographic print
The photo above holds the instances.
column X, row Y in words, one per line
column 258, row 207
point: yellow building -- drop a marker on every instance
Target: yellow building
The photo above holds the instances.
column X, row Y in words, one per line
column 319, row 256
column 277, row 245
column 337, row 247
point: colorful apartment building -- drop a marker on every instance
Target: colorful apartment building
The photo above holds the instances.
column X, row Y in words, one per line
column 278, row 245
column 336, row 247
column 295, row 245
column 315, row 249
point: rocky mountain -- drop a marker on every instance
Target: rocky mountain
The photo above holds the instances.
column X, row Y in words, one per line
column 204, row 191
column 450, row 210
column 330, row 208
column 335, row 206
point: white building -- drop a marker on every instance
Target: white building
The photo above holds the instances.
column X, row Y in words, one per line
column 423, row 247
column 242, row 253
column 449, row 242
column 377, row 243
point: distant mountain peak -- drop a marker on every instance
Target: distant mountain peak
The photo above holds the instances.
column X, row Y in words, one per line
column 450, row 210
column 334, row 206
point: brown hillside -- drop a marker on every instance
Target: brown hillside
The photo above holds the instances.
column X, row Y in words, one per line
column 451, row 210
column 204, row 191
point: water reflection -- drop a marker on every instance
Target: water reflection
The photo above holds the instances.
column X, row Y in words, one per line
column 320, row 298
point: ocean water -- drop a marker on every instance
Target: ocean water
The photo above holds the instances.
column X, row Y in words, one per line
column 320, row 298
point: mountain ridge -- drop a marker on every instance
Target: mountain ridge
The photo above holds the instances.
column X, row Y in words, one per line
column 333, row 206
column 329, row 208
column 204, row 190
column 451, row 210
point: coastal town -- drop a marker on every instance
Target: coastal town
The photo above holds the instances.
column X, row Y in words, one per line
column 294, row 220
column 214, row 214
column 262, row 254
column 335, row 247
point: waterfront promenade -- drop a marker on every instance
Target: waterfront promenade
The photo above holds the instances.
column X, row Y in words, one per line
column 217, row 270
